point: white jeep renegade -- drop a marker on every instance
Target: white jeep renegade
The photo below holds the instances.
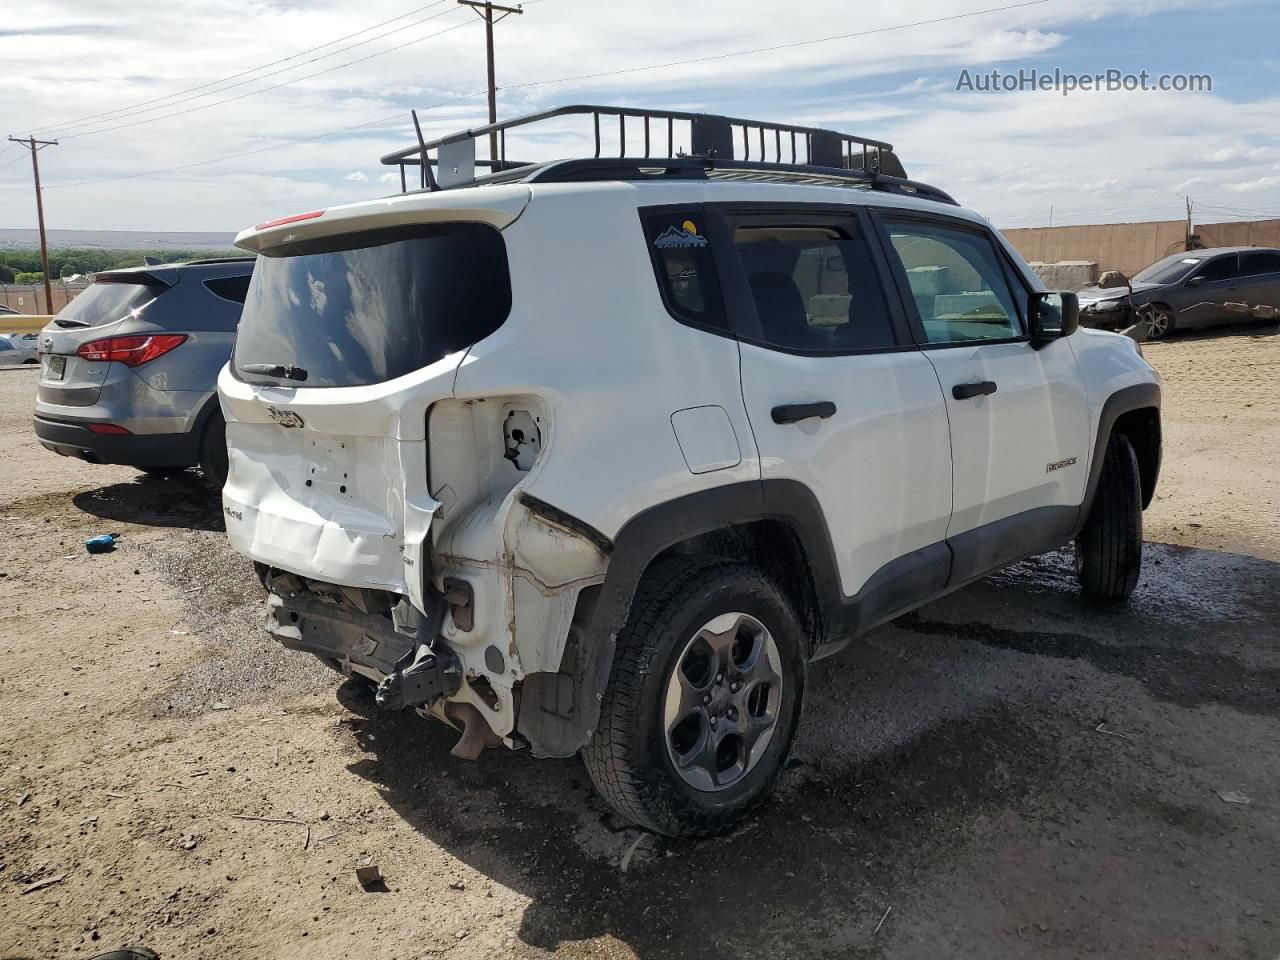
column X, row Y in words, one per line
column 598, row 454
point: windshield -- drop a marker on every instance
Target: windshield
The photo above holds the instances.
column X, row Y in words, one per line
column 369, row 307
column 1168, row 270
column 106, row 302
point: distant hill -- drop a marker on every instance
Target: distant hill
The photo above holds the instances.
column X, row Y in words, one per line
column 118, row 239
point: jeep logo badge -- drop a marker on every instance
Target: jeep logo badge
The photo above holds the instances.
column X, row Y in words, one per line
column 286, row 418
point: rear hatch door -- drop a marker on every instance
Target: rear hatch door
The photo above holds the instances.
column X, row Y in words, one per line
column 345, row 341
column 113, row 305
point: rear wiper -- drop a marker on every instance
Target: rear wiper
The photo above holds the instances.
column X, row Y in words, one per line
column 275, row 370
column 67, row 322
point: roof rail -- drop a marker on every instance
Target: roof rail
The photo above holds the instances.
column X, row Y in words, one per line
column 773, row 150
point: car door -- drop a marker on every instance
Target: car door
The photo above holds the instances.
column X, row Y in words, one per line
column 1019, row 418
column 841, row 400
column 1259, row 285
column 1207, row 292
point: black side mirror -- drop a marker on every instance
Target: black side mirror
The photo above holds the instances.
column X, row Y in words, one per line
column 1053, row 316
column 1195, row 281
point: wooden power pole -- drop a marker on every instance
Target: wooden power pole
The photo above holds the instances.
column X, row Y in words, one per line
column 486, row 9
column 34, row 145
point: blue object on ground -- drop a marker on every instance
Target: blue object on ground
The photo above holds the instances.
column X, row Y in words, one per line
column 103, row 543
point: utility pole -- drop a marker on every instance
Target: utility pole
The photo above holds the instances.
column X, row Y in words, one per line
column 34, row 145
column 485, row 9
column 1187, row 245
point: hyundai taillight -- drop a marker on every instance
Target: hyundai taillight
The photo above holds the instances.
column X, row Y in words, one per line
column 132, row 351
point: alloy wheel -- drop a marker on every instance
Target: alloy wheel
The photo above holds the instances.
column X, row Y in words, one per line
column 722, row 701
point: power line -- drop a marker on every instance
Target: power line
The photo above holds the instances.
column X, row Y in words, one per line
column 67, row 124
column 467, row 96
column 779, row 46
column 249, row 153
column 277, row 86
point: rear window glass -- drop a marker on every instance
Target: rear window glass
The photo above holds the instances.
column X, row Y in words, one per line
column 373, row 306
column 102, row 303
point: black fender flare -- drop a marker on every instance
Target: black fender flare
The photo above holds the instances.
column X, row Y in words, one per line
column 634, row 548
column 1140, row 396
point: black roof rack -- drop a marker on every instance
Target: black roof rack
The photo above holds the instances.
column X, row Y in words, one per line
column 772, row 151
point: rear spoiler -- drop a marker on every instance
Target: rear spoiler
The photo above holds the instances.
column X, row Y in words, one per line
column 146, row 278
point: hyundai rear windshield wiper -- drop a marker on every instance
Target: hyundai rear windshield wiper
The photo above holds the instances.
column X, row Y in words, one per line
column 68, row 322
column 275, row 370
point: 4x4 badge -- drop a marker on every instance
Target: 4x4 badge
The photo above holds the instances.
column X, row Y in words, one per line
column 286, row 418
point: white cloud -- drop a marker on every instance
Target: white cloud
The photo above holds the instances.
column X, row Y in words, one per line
column 1011, row 155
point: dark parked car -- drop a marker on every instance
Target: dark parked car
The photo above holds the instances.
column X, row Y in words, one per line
column 1201, row 288
column 130, row 367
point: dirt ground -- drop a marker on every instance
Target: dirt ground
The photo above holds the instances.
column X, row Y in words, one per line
column 1008, row 772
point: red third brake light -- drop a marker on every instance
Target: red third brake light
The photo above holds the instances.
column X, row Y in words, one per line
column 294, row 219
column 132, row 351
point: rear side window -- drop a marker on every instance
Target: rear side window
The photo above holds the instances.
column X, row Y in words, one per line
column 957, row 281
column 685, row 266
column 368, row 307
column 814, row 287
column 107, row 302
column 1254, row 264
column 234, row 289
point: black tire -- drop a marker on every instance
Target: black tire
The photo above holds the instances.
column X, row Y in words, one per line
column 1109, row 548
column 213, row 451
column 628, row 757
column 163, row 471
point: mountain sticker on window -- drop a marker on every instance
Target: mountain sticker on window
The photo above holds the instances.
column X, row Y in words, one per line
column 685, row 235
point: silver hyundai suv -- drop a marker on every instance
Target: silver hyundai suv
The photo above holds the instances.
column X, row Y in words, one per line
column 129, row 368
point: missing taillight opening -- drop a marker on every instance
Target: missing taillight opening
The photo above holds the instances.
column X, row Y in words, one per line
column 132, row 351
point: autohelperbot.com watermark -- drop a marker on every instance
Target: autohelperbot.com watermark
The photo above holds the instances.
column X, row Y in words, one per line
column 1112, row 80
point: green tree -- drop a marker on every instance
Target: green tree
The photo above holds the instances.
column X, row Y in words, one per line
column 28, row 276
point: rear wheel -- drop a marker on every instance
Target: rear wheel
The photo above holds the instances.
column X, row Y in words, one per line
column 703, row 698
column 213, row 451
column 1109, row 548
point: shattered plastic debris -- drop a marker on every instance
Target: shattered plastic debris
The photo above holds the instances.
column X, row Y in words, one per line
column 1234, row 796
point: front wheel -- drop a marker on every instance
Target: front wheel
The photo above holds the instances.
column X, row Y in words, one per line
column 703, row 698
column 1159, row 321
column 1109, row 548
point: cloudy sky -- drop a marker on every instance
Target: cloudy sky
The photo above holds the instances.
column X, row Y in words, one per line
column 204, row 115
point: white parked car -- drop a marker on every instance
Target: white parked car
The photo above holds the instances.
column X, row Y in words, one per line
column 598, row 455
column 24, row 346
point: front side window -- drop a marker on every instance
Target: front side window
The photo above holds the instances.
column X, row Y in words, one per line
column 685, row 266
column 1224, row 268
column 368, row 307
column 957, row 282
column 814, row 287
